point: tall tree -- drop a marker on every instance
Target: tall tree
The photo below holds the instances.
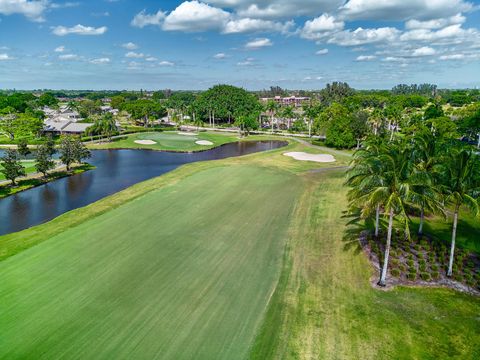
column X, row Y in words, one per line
column 43, row 160
column 12, row 168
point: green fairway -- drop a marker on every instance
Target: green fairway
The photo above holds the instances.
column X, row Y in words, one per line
column 185, row 272
column 29, row 168
column 171, row 141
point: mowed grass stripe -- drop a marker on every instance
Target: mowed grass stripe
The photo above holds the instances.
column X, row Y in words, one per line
column 183, row 272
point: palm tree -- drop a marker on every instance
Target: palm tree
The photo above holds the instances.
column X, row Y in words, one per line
column 389, row 189
column 376, row 120
column 461, row 183
column 272, row 108
column 310, row 112
column 288, row 114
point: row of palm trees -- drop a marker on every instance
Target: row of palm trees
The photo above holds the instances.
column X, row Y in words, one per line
column 414, row 174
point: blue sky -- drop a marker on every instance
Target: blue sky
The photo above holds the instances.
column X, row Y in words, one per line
column 301, row 44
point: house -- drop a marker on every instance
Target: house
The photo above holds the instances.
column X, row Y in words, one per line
column 64, row 121
column 295, row 101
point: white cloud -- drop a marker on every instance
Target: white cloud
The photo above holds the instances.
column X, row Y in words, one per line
column 255, row 25
column 31, row 9
column 5, row 57
column 100, row 61
column 130, row 46
column 151, row 58
column 452, row 57
column 166, row 63
column 322, row 52
column 278, row 8
column 258, row 44
column 220, row 56
column 365, row 58
column 452, row 31
column 247, row 62
column 362, row 36
column 403, row 9
column 134, row 55
column 78, row 30
column 68, row 57
column 143, row 19
column 60, row 49
column 193, row 16
column 320, row 27
column 424, row 51
column 393, row 59
column 435, row 23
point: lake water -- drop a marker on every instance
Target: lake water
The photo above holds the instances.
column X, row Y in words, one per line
column 116, row 170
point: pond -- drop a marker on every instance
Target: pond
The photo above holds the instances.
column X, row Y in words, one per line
column 116, row 170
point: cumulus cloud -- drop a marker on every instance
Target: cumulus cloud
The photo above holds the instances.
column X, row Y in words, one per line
column 362, row 36
column 143, row 19
column 151, row 58
column 424, row 51
column 99, row 61
column 130, row 46
column 452, row 57
column 435, row 23
column 60, row 49
column 33, row 10
column 134, row 55
column 220, row 56
column 403, row 9
column 193, row 16
column 4, row 57
column 253, row 25
column 322, row 52
column 78, row 30
column 258, row 44
column 278, row 8
column 365, row 58
column 68, row 57
column 321, row 26
column 247, row 62
column 166, row 63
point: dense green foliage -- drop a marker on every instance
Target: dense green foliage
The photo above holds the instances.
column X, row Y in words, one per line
column 12, row 168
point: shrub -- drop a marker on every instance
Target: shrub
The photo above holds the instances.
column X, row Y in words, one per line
column 424, row 243
column 435, row 275
column 410, row 262
column 425, row 276
column 422, row 262
column 422, row 268
column 468, row 277
column 434, row 267
column 395, row 272
column 410, row 256
column 470, row 264
column 420, row 255
column 418, row 247
column 458, row 277
column 411, row 276
column 394, row 262
column 471, row 283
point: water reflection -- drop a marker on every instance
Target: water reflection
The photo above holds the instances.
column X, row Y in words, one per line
column 116, row 170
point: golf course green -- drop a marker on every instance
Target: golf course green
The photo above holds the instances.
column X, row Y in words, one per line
column 234, row 259
column 169, row 141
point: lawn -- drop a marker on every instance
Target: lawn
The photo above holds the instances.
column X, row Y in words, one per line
column 29, row 168
column 185, row 272
column 240, row 258
column 170, row 141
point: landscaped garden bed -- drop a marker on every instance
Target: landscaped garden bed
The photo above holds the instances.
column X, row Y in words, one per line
column 424, row 261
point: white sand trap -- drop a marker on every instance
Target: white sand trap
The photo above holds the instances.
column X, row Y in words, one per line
column 145, row 142
column 187, row 133
column 203, row 142
column 323, row 158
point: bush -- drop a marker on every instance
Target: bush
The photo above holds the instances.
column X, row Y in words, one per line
column 395, row 272
column 435, row 275
column 468, row 277
column 412, row 276
column 402, row 267
column 394, row 262
column 422, row 268
column 425, row 276
column 471, row 283
column 410, row 262
column 458, row 277
column 470, row 264
column 422, row 262
column 410, row 256
column 434, row 267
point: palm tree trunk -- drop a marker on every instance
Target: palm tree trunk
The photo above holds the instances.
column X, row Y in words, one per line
column 422, row 217
column 478, row 144
column 383, row 277
column 310, row 128
column 452, row 249
column 271, row 120
column 377, row 221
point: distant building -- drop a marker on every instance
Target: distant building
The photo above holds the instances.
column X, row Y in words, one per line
column 295, row 101
column 64, row 121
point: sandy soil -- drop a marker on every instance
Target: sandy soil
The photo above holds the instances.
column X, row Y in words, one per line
column 323, row 158
column 145, row 142
column 203, row 142
column 187, row 133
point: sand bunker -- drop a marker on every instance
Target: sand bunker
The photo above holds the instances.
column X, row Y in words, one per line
column 203, row 142
column 145, row 142
column 187, row 133
column 323, row 158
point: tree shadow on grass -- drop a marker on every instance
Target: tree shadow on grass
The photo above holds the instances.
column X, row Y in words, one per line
column 353, row 231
